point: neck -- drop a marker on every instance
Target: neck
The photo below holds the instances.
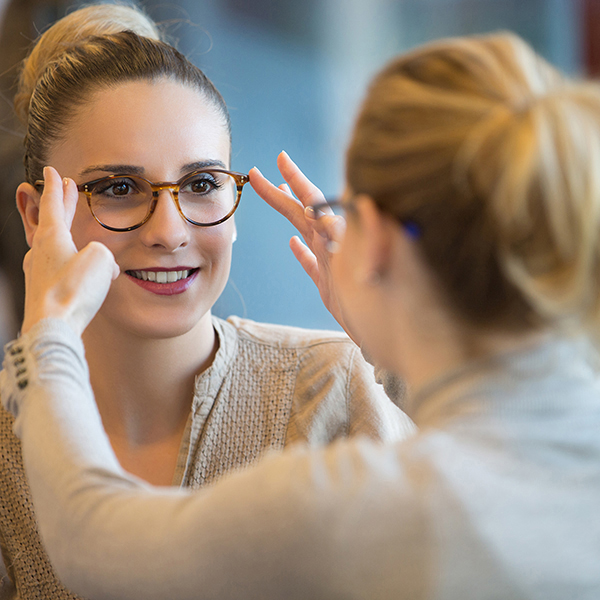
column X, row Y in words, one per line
column 422, row 336
column 144, row 387
column 460, row 352
column 432, row 347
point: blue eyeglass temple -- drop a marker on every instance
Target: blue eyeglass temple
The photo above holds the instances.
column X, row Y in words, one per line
column 412, row 229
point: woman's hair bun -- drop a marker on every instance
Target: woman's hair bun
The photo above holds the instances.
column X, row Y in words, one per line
column 496, row 156
column 93, row 20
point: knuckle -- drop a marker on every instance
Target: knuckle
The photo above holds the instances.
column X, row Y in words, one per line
column 97, row 250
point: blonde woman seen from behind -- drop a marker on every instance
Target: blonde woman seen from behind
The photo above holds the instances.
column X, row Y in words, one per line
column 185, row 397
column 467, row 264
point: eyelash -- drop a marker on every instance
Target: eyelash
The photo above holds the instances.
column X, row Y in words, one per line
column 114, row 182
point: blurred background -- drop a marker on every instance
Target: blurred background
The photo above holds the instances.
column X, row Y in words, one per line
column 292, row 73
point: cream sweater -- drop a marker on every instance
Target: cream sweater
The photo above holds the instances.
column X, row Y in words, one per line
column 268, row 387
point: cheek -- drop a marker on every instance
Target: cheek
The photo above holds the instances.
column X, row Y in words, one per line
column 215, row 243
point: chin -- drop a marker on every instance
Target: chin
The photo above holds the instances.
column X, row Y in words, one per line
column 150, row 324
column 161, row 331
column 376, row 341
column 378, row 358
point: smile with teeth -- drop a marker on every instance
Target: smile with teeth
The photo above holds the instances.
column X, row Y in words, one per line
column 161, row 276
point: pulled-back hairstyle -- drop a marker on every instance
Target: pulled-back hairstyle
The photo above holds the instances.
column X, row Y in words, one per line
column 496, row 157
column 94, row 48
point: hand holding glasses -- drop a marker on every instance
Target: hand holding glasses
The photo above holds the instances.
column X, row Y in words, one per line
column 313, row 254
column 60, row 281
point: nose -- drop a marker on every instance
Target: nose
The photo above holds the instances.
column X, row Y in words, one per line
column 166, row 227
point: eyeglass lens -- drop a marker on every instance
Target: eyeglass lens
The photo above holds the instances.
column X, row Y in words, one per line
column 123, row 202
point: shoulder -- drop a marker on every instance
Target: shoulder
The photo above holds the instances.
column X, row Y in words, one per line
column 292, row 338
column 285, row 336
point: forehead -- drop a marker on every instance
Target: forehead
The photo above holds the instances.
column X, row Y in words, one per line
column 159, row 125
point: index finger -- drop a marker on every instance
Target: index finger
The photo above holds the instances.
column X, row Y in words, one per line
column 52, row 207
column 279, row 199
column 306, row 191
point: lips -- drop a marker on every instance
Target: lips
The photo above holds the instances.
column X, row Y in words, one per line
column 164, row 282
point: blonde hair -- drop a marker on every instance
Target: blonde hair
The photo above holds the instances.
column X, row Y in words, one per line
column 97, row 46
column 495, row 156
column 93, row 20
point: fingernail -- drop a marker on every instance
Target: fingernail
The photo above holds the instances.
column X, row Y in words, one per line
column 44, row 171
column 309, row 213
column 257, row 170
column 65, row 183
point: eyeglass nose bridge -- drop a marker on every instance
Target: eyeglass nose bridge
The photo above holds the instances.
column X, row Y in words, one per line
column 159, row 187
column 164, row 185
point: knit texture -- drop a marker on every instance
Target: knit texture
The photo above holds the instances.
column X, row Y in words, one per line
column 257, row 403
column 25, row 558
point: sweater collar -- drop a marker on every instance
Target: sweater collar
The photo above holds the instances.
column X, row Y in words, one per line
column 209, row 382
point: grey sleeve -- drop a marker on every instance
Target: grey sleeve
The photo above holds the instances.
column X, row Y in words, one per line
column 292, row 527
column 257, row 534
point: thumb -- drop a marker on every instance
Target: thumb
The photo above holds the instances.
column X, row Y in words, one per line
column 91, row 272
column 95, row 266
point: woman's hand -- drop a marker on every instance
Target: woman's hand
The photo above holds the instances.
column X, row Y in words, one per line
column 314, row 254
column 61, row 282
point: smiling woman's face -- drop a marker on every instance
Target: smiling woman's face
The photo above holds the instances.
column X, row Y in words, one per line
column 160, row 130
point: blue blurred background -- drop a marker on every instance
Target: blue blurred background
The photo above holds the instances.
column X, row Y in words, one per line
column 293, row 73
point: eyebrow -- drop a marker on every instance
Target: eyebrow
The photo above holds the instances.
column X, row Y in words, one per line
column 202, row 164
column 135, row 170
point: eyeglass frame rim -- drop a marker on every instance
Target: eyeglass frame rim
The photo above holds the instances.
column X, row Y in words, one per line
column 328, row 203
column 241, row 179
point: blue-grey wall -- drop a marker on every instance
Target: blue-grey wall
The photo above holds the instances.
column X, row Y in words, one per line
column 292, row 73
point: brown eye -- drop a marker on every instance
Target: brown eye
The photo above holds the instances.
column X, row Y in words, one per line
column 201, row 184
column 115, row 188
column 200, row 187
column 121, row 189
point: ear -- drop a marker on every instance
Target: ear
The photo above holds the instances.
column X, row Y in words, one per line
column 28, row 204
column 379, row 232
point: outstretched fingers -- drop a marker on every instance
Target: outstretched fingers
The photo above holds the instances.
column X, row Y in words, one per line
column 306, row 191
column 321, row 236
column 280, row 198
column 290, row 199
column 56, row 210
column 306, row 258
